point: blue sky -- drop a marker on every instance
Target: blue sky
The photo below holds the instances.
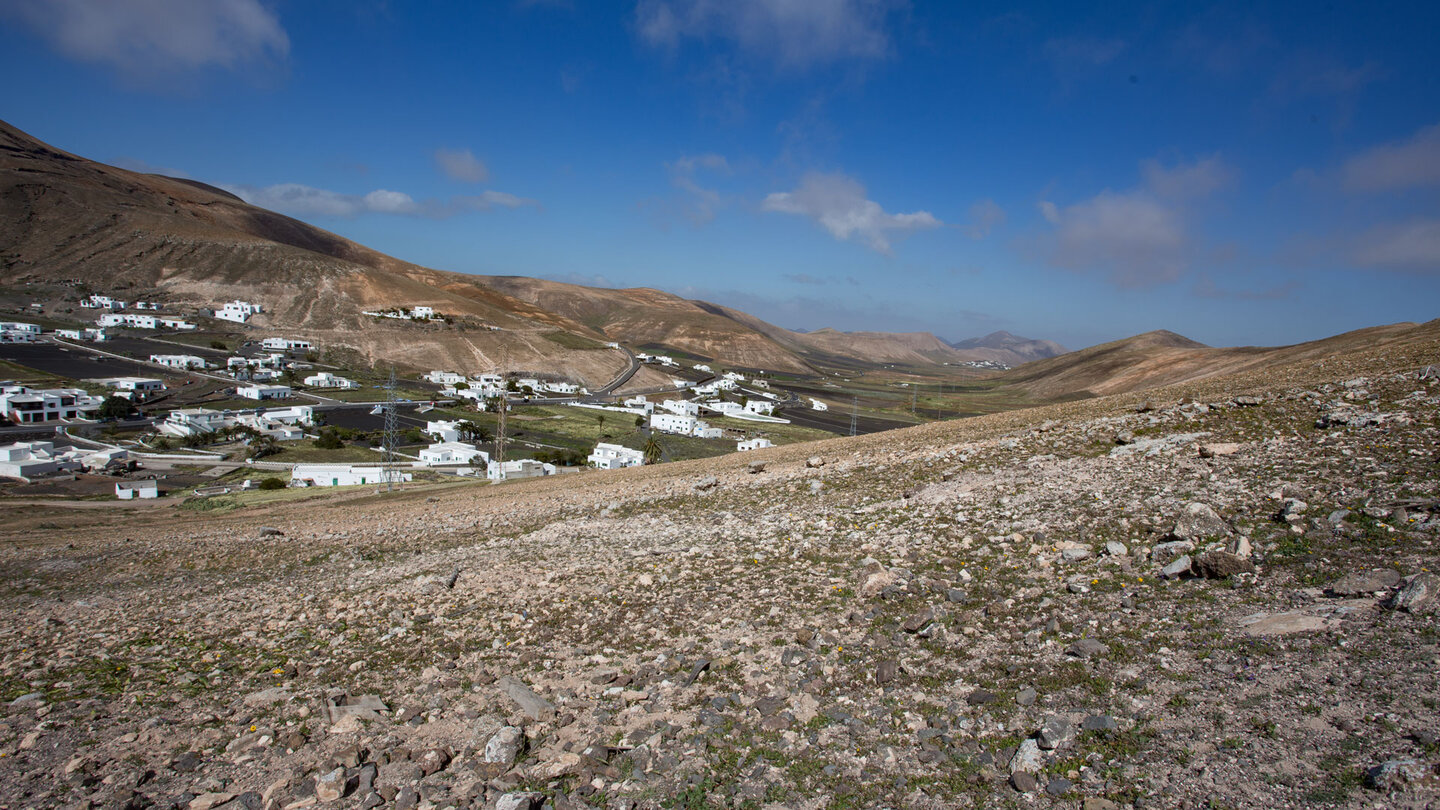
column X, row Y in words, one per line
column 1244, row 174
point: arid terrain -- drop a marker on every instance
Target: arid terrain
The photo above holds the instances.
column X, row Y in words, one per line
column 1221, row 594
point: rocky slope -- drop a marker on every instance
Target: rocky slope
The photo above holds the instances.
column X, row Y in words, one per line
column 1222, row 594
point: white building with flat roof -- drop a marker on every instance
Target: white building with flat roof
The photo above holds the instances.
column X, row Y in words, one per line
column 27, row 406
column 444, row 377
column 92, row 335
column 753, row 444
column 129, row 490
column 817, row 405
column 238, row 311
column 325, row 379
column 519, row 468
column 608, row 456
column 281, row 344
column 130, row 320
column 180, row 361
column 342, row 475
column 452, row 453
column 682, row 407
column 263, row 392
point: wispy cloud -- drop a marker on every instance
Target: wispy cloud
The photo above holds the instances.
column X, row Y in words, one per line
column 1412, row 246
column 1205, row 287
column 789, row 33
column 301, row 200
column 839, row 205
column 462, row 165
column 702, row 201
column 148, row 39
column 1185, row 181
column 985, row 216
column 1410, row 163
column 1137, row 237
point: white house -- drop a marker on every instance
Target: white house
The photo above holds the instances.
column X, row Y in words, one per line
column 134, row 387
column 101, row 303
column 96, row 335
column 128, row 319
column 754, row 444
column 27, row 406
column 325, row 379
column 444, row 377
column 422, row 312
column 673, row 423
column 238, row 311
column 293, row 415
column 701, row 367
column 176, row 324
column 613, row 457
column 153, row 306
column 263, row 392
column 180, row 361
column 682, row 407
column 194, row 422
column 562, row 387
column 127, row 490
column 679, row 383
column 24, row 459
column 639, row 401
column 445, row 431
column 341, row 475
column 759, row 383
column 817, row 405
column 18, row 332
column 704, row 431
column 519, row 468
column 280, row 344
column 491, row 380
column 726, row 408
column 760, row 406
column 452, row 453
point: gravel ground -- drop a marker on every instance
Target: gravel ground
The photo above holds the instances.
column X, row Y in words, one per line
column 1219, row 595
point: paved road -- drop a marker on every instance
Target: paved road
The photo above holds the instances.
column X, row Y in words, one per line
column 624, row 375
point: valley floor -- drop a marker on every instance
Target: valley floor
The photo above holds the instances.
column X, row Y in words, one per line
column 993, row 612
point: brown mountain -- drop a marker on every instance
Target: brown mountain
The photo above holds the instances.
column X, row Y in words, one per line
column 65, row 217
column 1164, row 358
column 1011, row 350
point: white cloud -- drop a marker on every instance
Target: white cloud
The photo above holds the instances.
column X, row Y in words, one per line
column 1413, row 245
column 1183, row 181
column 1411, row 163
column 462, row 165
column 791, row 33
column 302, row 201
column 839, row 205
column 1137, row 237
column 151, row 37
column 985, row 216
column 702, row 201
column 1132, row 236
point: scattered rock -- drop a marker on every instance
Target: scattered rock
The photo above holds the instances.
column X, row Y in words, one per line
column 1023, row 781
column 1028, row 757
column 1116, row 549
column 814, row 462
column 1220, row 565
column 1086, row 648
column 1059, row 786
column 756, row 467
column 1199, row 521
column 1213, row 449
column 534, row 706
column 1365, row 582
column 270, row 531
column 1177, row 568
column 1056, row 732
column 1400, row 775
column 918, row 621
column 1418, row 596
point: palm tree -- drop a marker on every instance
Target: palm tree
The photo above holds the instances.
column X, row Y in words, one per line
column 600, row 417
column 652, row 450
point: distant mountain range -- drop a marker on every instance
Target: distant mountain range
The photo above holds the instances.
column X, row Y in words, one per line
column 1011, row 350
column 67, row 220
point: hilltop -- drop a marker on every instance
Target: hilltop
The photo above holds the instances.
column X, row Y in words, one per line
column 65, row 218
column 1219, row 593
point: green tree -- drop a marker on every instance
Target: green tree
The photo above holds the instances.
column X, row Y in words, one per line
column 600, row 417
column 473, row 431
column 329, row 440
column 652, row 450
column 219, row 344
column 115, row 408
column 272, row 483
